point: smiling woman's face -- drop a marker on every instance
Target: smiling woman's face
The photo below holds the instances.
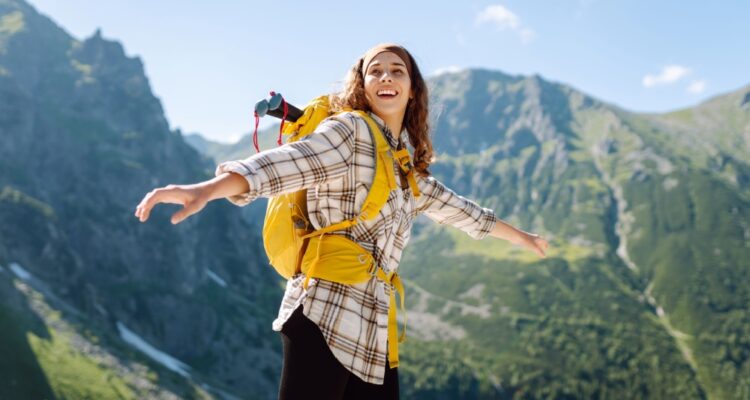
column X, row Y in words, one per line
column 388, row 87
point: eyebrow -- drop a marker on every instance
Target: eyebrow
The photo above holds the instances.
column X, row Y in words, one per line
column 374, row 63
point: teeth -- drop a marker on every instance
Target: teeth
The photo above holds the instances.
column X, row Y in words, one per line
column 390, row 92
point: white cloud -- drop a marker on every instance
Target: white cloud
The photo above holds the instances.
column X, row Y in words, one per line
column 500, row 16
column 447, row 70
column 697, row 87
column 504, row 19
column 669, row 74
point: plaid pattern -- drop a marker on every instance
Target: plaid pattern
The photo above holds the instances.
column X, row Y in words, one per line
column 337, row 164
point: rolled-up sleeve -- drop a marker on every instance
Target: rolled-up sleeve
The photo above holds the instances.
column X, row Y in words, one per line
column 320, row 157
column 444, row 206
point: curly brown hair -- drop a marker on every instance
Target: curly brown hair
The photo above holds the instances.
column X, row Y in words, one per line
column 415, row 118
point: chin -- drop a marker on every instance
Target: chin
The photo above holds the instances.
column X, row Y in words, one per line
column 390, row 111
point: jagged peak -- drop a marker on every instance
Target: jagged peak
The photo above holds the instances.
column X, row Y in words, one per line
column 97, row 41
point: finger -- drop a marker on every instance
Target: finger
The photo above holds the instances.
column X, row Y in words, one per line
column 145, row 206
column 152, row 198
column 139, row 207
column 538, row 250
column 188, row 210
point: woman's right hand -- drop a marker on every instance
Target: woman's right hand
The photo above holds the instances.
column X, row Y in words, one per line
column 192, row 197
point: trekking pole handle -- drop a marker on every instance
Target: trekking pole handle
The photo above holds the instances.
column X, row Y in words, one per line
column 274, row 107
column 292, row 115
column 261, row 108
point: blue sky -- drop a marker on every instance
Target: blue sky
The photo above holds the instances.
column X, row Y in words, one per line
column 209, row 62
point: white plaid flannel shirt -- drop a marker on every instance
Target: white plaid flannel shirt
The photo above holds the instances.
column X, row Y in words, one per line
column 336, row 165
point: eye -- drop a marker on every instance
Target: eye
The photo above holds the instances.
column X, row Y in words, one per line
column 374, row 71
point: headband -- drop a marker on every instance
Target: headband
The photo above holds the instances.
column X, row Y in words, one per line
column 384, row 47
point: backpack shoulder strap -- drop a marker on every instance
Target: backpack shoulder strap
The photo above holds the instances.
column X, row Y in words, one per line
column 404, row 163
column 383, row 183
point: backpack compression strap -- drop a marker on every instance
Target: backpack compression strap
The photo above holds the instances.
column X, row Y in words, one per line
column 404, row 162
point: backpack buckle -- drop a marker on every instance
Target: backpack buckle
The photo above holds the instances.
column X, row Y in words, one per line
column 373, row 269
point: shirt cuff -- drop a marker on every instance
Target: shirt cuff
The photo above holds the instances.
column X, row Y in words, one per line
column 488, row 223
column 248, row 172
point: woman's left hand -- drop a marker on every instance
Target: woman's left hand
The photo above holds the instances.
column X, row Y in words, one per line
column 533, row 242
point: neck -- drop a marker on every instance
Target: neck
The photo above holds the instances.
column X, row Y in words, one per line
column 394, row 123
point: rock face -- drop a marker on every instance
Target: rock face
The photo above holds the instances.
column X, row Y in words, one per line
column 83, row 139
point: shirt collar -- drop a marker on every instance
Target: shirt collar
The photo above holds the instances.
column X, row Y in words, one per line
column 392, row 140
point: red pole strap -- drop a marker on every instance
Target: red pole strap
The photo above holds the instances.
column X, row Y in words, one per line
column 255, row 133
column 283, row 118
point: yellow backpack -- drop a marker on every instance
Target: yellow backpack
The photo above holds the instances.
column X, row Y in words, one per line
column 294, row 247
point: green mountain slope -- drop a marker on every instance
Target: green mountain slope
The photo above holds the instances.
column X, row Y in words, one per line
column 83, row 138
column 643, row 293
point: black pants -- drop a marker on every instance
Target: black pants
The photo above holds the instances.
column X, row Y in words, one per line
column 312, row 372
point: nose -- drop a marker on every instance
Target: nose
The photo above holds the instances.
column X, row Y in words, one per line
column 386, row 77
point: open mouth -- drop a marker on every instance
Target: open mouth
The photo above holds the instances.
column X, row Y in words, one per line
column 387, row 93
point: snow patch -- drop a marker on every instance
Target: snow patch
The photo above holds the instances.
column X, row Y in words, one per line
column 625, row 220
column 20, row 271
column 670, row 183
column 157, row 355
column 474, row 292
column 430, row 327
column 101, row 309
column 216, row 278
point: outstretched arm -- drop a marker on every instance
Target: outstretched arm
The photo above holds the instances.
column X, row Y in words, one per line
column 192, row 197
column 316, row 159
column 444, row 206
column 531, row 241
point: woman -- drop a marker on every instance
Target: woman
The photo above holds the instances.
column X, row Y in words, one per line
column 335, row 335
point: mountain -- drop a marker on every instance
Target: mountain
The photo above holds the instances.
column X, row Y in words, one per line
column 93, row 303
column 644, row 293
